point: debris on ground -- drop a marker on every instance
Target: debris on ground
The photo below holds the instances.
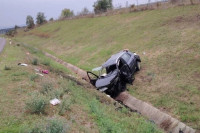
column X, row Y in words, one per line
column 45, row 71
column 22, row 64
column 55, row 101
column 39, row 74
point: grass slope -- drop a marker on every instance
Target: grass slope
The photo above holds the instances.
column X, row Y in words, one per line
column 88, row 110
column 167, row 41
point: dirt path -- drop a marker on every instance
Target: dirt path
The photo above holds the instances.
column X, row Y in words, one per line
column 2, row 44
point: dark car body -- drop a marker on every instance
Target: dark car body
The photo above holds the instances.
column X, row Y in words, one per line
column 119, row 70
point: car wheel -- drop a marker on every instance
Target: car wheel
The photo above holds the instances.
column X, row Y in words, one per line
column 138, row 67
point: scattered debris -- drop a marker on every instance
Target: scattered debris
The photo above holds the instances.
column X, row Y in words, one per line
column 22, row 64
column 37, row 70
column 39, row 74
column 55, row 101
column 45, row 71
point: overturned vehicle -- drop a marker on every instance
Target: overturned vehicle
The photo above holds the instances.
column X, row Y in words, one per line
column 115, row 73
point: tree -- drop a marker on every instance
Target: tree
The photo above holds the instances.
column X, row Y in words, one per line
column 51, row 19
column 30, row 22
column 40, row 19
column 102, row 6
column 67, row 13
column 85, row 11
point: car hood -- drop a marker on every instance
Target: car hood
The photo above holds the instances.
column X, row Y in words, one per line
column 106, row 81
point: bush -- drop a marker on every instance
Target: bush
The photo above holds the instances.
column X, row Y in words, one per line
column 7, row 68
column 46, row 62
column 54, row 125
column 64, row 106
column 33, row 77
column 36, row 104
column 35, row 61
column 66, row 13
column 46, row 88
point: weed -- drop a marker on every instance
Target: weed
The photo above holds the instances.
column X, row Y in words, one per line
column 56, row 125
column 53, row 125
column 33, row 77
column 7, row 68
column 46, row 88
column 46, row 62
column 35, row 61
column 36, row 104
column 58, row 93
column 64, row 106
column 19, row 73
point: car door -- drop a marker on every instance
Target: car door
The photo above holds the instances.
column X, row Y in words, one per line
column 129, row 60
column 126, row 74
column 92, row 77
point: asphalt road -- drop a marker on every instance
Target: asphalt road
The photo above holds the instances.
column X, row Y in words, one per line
column 2, row 44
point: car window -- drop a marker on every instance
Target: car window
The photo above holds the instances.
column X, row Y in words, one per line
column 126, row 57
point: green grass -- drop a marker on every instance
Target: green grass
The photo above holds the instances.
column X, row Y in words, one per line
column 170, row 38
column 75, row 109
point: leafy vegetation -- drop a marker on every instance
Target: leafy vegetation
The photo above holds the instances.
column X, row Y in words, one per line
column 102, row 6
column 40, row 19
column 30, row 22
column 66, row 13
column 37, row 103
column 35, row 61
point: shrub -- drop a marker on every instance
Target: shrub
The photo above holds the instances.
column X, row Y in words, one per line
column 7, row 68
column 33, row 77
column 35, row 61
column 53, row 125
column 64, row 106
column 66, row 13
column 46, row 62
column 46, row 88
column 56, row 125
column 36, row 104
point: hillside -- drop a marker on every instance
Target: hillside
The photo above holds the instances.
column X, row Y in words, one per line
column 167, row 41
column 25, row 96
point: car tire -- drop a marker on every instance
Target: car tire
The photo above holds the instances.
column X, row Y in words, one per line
column 138, row 66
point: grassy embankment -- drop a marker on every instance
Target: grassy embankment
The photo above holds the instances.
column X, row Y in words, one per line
column 167, row 41
column 24, row 100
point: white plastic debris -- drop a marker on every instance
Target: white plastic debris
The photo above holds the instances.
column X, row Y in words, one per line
column 40, row 74
column 22, row 64
column 55, row 101
column 37, row 70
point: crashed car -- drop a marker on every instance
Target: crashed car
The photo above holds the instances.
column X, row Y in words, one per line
column 115, row 72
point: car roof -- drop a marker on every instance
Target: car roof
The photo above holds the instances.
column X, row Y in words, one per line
column 113, row 59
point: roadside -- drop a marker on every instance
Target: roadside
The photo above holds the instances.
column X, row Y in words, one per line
column 2, row 44
column 83, row 110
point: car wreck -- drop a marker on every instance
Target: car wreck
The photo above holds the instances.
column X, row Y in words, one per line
column 115, row 73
